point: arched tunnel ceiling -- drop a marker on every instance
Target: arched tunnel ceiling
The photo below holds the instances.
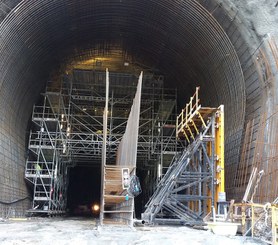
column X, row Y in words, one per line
column 178, row 39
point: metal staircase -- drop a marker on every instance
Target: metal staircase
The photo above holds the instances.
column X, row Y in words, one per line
column 192, row 184
column 174, row 193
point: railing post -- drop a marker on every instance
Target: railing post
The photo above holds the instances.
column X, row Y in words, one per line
column 187, row 105
column 182, row 116
column 177, row 125
column 197, row 96
column 190, row 111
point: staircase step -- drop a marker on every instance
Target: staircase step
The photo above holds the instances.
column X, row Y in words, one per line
column 114, row 199
column 41, row 198
column 47, row 187
column 44, row 176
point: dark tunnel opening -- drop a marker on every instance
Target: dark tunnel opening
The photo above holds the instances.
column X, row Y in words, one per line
column 183, row 41
column 84, row 191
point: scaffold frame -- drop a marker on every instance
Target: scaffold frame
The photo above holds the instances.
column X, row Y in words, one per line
column 72, row 134
column 193, row 184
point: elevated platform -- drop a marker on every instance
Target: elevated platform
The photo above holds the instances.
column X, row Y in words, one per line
column 193, row 118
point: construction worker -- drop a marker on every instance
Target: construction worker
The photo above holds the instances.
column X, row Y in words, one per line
column 38, row 168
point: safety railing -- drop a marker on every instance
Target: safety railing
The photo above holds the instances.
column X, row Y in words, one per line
column 187, row 113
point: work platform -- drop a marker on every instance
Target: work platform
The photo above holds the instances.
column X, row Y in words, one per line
column 194, row 183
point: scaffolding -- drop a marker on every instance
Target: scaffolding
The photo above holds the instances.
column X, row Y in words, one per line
column 157, row 107
column 67, row 130
column 48, row 158
column 194, row 183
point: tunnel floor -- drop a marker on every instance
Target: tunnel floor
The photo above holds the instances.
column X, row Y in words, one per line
column 86, row 231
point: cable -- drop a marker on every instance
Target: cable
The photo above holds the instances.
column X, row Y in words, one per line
column 15, row 201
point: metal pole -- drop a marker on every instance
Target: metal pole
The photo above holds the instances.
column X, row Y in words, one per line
column 103, row 162
column 111, row 122
column 213, row 161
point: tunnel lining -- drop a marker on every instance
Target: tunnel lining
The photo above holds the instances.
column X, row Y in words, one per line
column 40, row 52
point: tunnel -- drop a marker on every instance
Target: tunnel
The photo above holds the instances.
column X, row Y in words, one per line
column 191, row 43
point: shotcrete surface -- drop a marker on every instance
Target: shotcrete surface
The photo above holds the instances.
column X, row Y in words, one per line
column 261, row 16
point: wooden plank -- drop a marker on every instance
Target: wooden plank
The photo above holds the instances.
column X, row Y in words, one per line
column 117, row 192
column 113, row 199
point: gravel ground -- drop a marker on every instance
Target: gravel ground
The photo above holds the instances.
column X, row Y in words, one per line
column 85, row 231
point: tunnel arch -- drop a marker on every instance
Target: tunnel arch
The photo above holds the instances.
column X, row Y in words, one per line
column 179, row 39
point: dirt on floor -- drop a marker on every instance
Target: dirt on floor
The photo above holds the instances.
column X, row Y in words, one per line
column 86, row 231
